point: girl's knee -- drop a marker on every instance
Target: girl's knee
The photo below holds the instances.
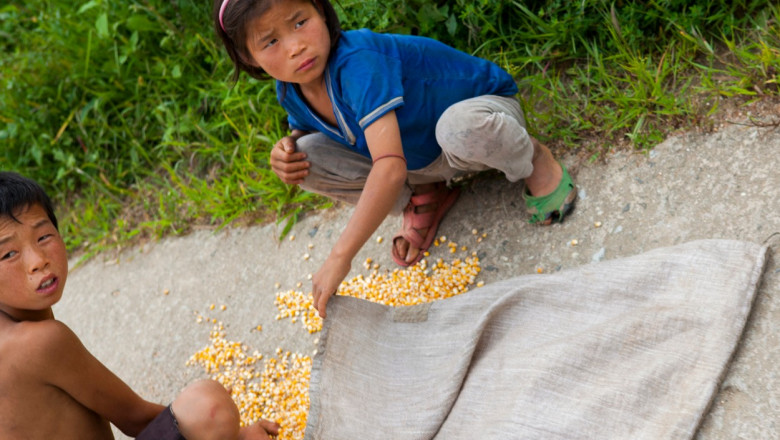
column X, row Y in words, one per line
column 464, row 127
column 205, row 410
column 317, row 146
column 486, row 122
column 308, row 142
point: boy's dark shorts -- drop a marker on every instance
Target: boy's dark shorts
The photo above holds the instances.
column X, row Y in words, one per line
column 163, row 427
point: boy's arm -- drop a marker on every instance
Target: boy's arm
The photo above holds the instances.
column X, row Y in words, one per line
column 384, row 184
column 58, row 358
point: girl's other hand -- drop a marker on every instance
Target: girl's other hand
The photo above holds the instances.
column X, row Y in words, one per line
column 290, row 166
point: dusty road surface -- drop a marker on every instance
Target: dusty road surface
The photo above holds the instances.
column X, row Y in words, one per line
column 137, row 312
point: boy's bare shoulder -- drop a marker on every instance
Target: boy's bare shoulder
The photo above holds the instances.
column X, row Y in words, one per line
column 36, row 339
column 28, row 349
column 31, row 357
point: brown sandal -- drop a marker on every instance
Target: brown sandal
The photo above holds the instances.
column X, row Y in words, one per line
column 413, row 221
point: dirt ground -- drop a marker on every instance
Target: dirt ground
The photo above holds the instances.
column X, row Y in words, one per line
column 137, row 312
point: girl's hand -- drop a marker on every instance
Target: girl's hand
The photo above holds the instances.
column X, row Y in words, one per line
column 262, row 430
column 327, row 280
column 291, row 167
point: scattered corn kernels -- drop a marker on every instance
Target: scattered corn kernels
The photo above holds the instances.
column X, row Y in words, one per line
column 293, row 303
column 279, row 393
column 282, row 392
column 380, row 239
column 416, row 284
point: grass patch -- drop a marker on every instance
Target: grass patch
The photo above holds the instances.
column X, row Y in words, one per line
column 125, row 112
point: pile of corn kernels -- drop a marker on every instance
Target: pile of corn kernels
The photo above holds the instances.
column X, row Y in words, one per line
column 280, row 392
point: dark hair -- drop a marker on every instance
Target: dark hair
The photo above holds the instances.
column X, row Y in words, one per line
column 17, row 192
column 237, row 16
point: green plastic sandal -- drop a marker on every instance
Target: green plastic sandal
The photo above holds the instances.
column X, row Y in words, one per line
column 554, row 206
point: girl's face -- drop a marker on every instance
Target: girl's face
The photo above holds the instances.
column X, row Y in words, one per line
column 290, row 42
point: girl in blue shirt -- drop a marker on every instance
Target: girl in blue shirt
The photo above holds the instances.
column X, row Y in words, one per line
column 385, row 122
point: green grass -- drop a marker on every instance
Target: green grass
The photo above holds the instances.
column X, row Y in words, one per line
column 125, row 112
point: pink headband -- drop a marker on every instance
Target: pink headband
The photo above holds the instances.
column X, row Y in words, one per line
column 222, row 11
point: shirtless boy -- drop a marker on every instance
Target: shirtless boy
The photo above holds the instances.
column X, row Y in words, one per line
column 51, row 387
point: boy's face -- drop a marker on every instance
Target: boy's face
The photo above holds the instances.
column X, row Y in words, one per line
column 290, row 42
column 33, row 264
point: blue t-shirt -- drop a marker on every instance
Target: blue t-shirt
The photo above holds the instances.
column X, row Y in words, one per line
column 370, row 74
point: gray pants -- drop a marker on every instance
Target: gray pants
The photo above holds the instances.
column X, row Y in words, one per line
column 477, row 134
